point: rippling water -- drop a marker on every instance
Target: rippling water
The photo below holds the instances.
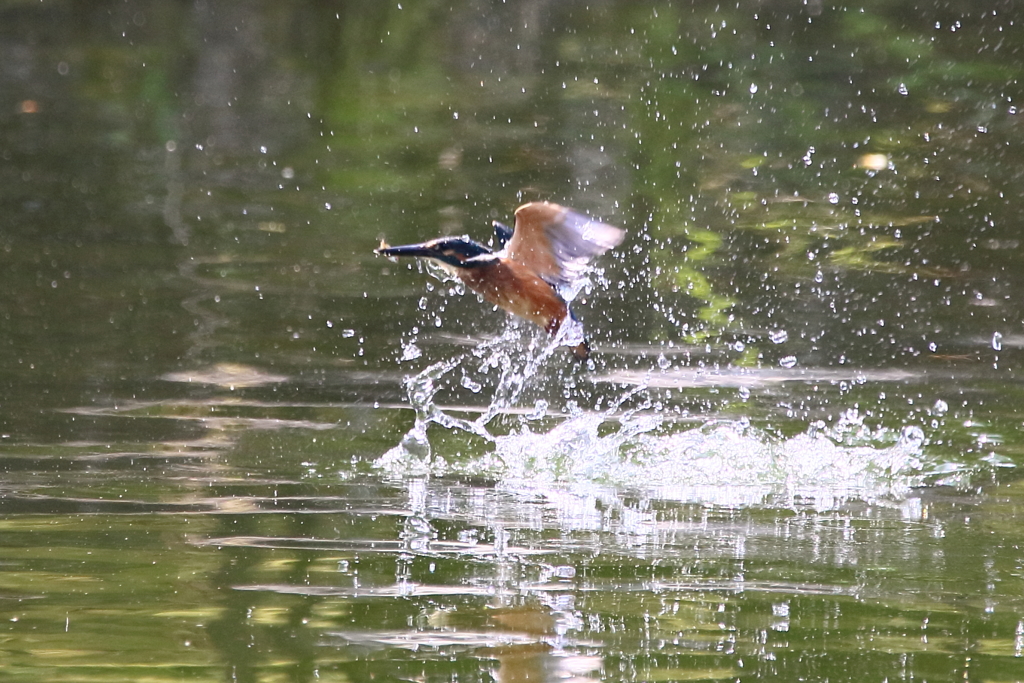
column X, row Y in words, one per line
column 236, row 445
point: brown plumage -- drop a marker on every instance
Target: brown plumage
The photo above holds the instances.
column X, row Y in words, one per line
column 550, row 248
column 512, row 286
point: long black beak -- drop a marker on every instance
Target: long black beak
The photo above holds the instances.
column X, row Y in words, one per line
column 407, row 250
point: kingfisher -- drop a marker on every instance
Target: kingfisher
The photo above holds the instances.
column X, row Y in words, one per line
column 540, row 261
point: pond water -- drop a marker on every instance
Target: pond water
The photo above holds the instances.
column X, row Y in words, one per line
column 237, row 445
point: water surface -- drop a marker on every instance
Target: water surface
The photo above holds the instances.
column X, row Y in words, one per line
column 236, row 445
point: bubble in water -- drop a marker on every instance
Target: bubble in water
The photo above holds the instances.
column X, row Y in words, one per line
column 788, row 362
column 778, row 336
column 940, row 407
column 997, row 341
column 833, row 198
column 663, row 362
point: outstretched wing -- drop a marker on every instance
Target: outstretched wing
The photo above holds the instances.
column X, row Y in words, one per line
column 558, row 243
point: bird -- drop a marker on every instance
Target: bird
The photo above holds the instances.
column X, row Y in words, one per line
column 546, row 254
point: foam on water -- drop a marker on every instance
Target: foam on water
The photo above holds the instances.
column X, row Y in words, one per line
column 723, row 463
column 728, row 463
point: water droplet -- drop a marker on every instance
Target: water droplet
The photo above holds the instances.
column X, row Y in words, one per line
column 744, row 393
column 778, row 336
column 902, row 89
column 788, row 362
column 997, row 341
column 664, row 363
column 912, row 437
column 540, row 409
column 753, row 88
column 833, row 198
column 940, row 407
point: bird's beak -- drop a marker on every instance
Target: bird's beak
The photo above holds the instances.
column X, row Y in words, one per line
column 406, row 250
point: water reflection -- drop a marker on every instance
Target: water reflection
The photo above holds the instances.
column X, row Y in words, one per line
column 347, row 574
column 795, row 455
column 476, row 573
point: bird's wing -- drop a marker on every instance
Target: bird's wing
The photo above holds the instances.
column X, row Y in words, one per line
column 557, row 243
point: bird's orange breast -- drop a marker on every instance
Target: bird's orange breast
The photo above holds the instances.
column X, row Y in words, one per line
column 515, row 288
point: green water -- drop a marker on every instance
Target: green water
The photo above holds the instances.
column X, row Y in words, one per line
column 236, row 445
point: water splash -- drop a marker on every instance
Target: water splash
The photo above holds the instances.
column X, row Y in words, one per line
column 724, row 462
column 514, row 362
column 645, row 449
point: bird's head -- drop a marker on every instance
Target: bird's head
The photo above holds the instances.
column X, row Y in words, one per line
column 458, row 252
